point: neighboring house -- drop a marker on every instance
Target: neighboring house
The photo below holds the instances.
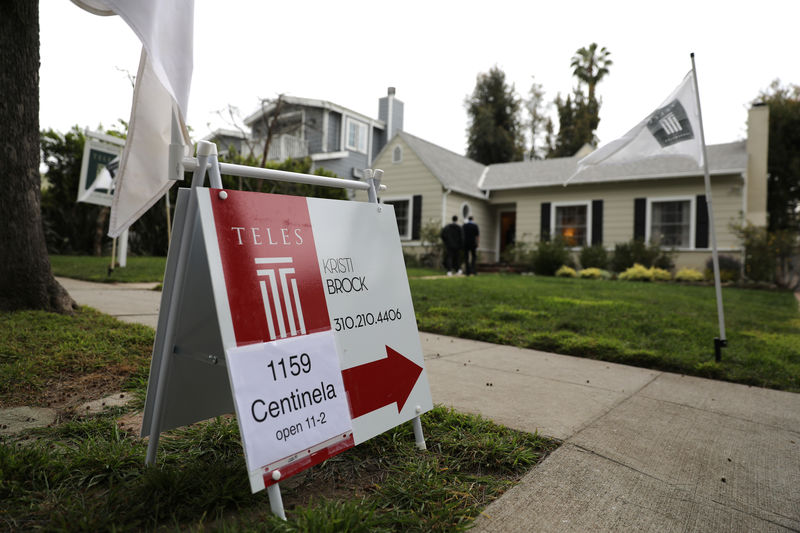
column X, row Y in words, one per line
column 657, row 200
column 334, row 137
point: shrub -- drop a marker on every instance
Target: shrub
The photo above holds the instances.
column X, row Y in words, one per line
column 639, row 272
column 566, row 272
column 635, row 251
column 594, row 273
column 688, row 274
column 517, row 253
column 594, row 256
column 730, row 268
column 659, row 274
column 432, row 247
column 550, row 256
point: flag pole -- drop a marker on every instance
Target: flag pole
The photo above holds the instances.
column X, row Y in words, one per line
column 721, row 341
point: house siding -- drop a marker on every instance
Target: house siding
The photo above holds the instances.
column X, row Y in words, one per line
column 618, row 208
column 408, row 178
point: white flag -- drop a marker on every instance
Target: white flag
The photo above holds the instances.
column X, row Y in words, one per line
column 671, row 130
column 162, row 89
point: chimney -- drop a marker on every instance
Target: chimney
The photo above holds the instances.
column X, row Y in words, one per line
column 390, row 111
column 757, row 150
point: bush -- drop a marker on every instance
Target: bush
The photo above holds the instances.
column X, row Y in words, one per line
column 594, row 256
column 594, row 273
column 566, row 272
column 432, row 246
column 730, row 268
column 518, row 253
column 635, row 251
column 550, row 256
column 688, row 274
column 639, row 272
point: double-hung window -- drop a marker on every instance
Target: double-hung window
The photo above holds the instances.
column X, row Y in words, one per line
column 356, row 136
column 670, row 222
column 571, row 222
column 402, row 212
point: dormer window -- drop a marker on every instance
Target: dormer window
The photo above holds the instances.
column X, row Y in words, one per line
column 356, row 136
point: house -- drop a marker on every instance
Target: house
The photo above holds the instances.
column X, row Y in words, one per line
column 657, row 200
column 335, row 138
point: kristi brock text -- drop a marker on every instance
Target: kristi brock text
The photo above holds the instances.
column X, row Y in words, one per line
column 344, row 282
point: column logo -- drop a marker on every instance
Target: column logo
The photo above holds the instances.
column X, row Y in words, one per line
column 287, row 319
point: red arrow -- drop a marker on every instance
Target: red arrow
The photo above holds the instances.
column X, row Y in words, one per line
column 373, row 385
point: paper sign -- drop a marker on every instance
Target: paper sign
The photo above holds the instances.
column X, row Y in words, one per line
column 289, row 397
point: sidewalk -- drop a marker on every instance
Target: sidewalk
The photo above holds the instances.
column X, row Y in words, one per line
column 643, row 450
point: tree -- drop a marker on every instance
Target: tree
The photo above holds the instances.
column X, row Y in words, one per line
column 783, row 159
column 579, row 114
column 26, row 280
column 494, row 134
column 537, row 119
column 590, row 66
column 69, row 227
column 578, row 120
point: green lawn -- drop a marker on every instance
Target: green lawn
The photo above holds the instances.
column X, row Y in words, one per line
column 88, row 268
column 664, row 326
column 139, row 269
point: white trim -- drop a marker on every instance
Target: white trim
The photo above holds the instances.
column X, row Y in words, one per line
column 410, row 199
column 310, row 102
column 361, row 126
column 483, row 177
column 329, row 155
column 444, row 206
column 325, row 130
column 555, row 205
column 648, row 219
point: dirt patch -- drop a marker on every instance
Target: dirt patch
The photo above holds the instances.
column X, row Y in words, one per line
column 71, row 390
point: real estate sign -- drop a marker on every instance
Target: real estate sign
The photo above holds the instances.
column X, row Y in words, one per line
column 314, row 315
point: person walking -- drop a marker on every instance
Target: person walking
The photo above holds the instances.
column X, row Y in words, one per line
column 453, row 240
column 471, row 238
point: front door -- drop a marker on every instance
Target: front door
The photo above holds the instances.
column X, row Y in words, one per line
column 508, row 228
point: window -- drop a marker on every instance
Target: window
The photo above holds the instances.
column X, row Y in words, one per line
column 466, row 211
column 671, row 223
column 402, row 212
column 571, row 222
column 356, row 136
column 397, row 154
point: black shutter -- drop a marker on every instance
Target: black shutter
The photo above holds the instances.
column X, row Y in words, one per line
column 597, row 221
column 544, row 222
column 416, row 213
column 701, row 222
column 639, row 218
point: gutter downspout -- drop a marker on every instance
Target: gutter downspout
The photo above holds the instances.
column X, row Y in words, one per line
column 444, row 206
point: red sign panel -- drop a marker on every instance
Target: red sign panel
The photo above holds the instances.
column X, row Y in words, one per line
column 269, row 260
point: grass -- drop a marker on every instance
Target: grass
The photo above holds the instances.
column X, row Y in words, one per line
column 138, row 269
column 665, row 326
column 85, row 473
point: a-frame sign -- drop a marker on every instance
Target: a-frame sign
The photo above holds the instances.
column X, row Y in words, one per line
column 296, row 314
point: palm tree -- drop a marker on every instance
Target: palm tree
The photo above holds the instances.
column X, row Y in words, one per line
column 590, row 66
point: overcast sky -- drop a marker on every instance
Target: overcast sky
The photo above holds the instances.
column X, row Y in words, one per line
column 349, row 52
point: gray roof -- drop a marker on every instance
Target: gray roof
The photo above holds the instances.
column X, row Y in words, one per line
column 454, row 171
column 730, row 158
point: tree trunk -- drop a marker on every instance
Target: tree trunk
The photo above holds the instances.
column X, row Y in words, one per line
column 26, row 281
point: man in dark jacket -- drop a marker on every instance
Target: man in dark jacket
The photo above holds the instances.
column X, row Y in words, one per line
column 453, row 240
column 471, row 238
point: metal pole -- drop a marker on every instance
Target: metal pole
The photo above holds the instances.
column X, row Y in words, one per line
column 276, row 501
column 721, row 341
column 171, row 324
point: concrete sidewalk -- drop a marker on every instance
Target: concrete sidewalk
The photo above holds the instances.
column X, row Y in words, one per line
column 643, row 450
